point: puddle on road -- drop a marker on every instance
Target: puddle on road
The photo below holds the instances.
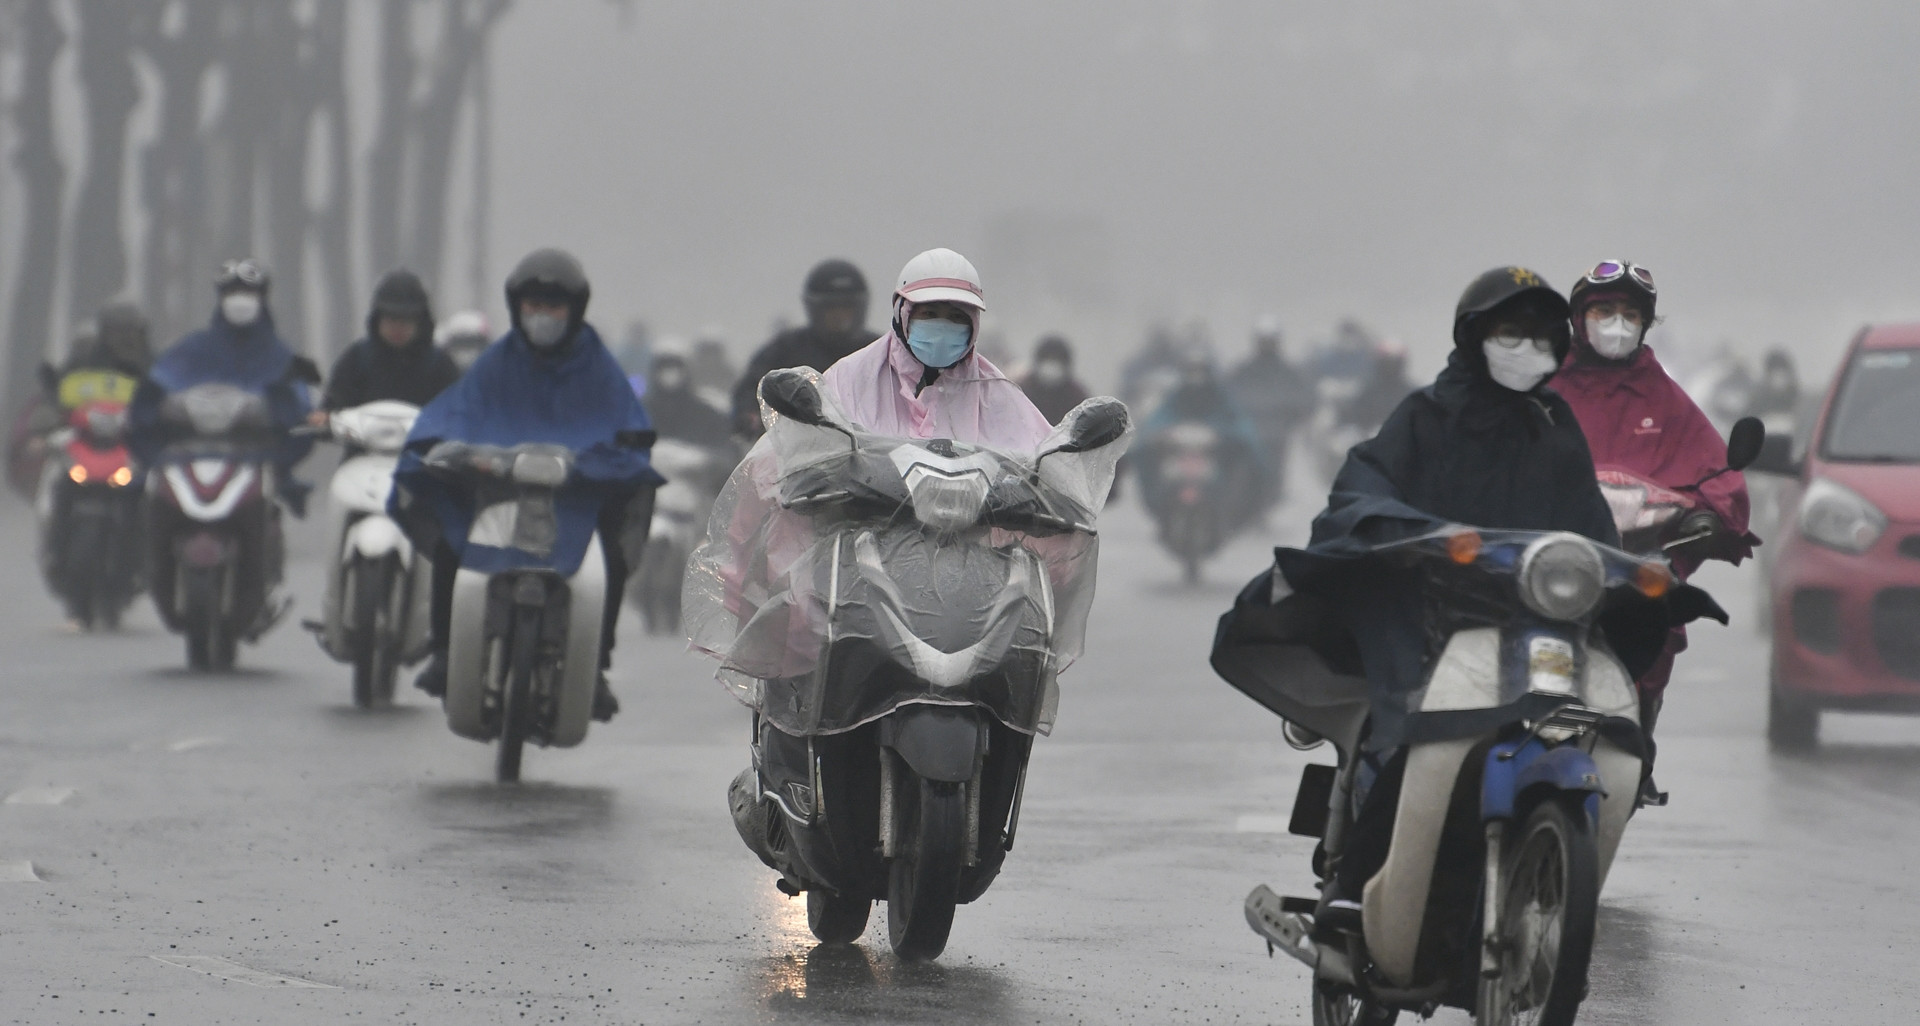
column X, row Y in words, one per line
column 848, row 981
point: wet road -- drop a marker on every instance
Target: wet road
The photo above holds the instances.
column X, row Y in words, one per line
column 250, row 849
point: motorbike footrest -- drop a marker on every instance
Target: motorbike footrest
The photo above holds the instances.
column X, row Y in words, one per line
column 1286, row 930
column 1301, row 906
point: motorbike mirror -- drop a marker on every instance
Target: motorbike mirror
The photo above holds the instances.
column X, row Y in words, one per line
column 1096, row 423
column 791, row 393
column 1745, row 442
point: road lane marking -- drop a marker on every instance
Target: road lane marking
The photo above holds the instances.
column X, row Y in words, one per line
column 191, row 743
column 1260, row 823
column 40, row 796
column 234, row 972
column 18, row 871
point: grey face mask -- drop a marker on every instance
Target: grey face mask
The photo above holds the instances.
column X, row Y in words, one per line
column 543, row 330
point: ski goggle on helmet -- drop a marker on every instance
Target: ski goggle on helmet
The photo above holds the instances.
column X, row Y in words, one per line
column 246, row 274
column 1613, row 270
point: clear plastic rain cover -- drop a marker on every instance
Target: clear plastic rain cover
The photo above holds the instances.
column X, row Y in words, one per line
column 845, row 573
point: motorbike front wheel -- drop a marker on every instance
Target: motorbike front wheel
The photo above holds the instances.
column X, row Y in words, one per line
column 1334, row 1006
column 836, row 918
column 211, row 643
column 923, row 884
column 371, row 584
column 1546, row 924
column 516, row 699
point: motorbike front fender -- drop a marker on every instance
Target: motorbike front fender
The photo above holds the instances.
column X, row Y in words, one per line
column 939, row 742
column 373, row 537
column 1515, row 769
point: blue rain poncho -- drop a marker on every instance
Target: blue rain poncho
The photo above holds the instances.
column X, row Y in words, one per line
column 254, row 358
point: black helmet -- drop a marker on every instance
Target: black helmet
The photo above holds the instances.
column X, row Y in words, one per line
column 1054, row 347
column 1628, row 280
column 834, row 283
column 122, row 316
column 399, row 293
column 551, row 274
column 1501, row 286
column 245, row 273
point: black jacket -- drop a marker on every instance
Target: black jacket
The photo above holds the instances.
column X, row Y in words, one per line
column 371, row 369
column 680, row 413
column 795, row 347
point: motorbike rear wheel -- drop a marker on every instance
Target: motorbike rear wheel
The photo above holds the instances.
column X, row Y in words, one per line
column 836, row 918
column 1334, row 1006
column 1553, row 891
column 371, row 583
column 516, row 699
column 923, row 884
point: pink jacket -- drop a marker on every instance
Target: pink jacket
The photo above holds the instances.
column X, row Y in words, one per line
column 970, row 401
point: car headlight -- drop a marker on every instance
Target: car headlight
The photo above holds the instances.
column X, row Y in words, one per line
column 1837, row 517
column 1561, row 577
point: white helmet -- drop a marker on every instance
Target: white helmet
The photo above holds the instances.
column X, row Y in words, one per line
column 941, row 275
column 466, row 322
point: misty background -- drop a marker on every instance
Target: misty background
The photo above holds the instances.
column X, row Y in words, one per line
column 1107, row 164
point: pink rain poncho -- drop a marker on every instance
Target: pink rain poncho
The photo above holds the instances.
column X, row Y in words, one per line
column 969, row 402
column 1642, row 426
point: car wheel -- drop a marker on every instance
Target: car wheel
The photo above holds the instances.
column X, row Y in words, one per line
column 1792, row 726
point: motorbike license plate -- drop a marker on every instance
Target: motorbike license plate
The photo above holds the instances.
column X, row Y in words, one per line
column 1550, row 665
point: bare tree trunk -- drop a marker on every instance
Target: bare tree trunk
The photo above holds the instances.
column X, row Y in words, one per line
column 173, row 176
column 43, row 181
column 387, row 162
column 333, row 221
column 482, row 177
column 282, row 145
column 106, row 74
column 435, row 121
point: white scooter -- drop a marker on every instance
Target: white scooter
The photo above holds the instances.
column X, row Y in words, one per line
column 378, row 588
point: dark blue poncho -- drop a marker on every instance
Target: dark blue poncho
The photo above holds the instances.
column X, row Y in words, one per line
column 514, row 394
column 254, row 358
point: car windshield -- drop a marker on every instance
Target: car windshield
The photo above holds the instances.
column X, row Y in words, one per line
column 1876, row 416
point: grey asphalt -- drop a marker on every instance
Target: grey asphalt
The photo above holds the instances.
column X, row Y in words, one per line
column 250, row 849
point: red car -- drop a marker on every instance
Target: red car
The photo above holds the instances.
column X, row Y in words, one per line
column 1846, row 581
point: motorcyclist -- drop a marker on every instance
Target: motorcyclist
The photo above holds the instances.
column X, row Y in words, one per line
column 1200, row 397
column 117, row 348
column 240, row 347
column 1050, row 382
column 835, row 296
column 1640, row 422
column 1381, row 391
column 676, row 410
column 549, row 379
column 1778, row 393
column 397, row 358
column 1275, row 396
column 923, row 379
column 1487, row 445
column 462, row 337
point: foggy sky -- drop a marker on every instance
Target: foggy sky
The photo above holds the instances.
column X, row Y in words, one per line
column 1106, row 162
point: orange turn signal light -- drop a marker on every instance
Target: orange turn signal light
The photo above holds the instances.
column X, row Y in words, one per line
column 1652, row 579
column 78, row 473
column 122, row 477
column 1464, row 548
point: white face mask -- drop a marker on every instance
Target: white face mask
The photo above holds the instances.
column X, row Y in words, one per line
column 1614, row 338
column 543, row 330
column 240, row 308
column 1519, row 363
column 1049, row 372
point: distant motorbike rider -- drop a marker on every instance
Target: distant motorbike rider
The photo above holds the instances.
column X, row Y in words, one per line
column 1486, row 445
column 835, row 296
column 923, row 379
column 462, row 337
column 677, row 411
column 117, row 346
column 1050, row 382
column 1200, row 397
column 1276, row 397
column 240, row 347
column 1778, row 393
column 1639, row 421
column 549, row 379
column 396, row 359
column 1381, row 391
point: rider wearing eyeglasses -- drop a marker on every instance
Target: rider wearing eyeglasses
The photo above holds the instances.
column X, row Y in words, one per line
column 1642, row 427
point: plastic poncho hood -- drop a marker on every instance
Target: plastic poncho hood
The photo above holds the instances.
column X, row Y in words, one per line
column 577, row 397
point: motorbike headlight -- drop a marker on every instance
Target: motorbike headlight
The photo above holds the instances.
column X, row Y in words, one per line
column 1836, row 516
column 539, row 470
column 1561, row 577
column 946, row 502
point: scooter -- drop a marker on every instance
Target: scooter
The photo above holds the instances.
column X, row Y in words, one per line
column 524, row 653
column 946, row 586
column 375, row 613
column 695, row 475
column 213, row 522
column 89, row 516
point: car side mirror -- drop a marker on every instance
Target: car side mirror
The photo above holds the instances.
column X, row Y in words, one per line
column 1748, row 437
column 789, row 392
